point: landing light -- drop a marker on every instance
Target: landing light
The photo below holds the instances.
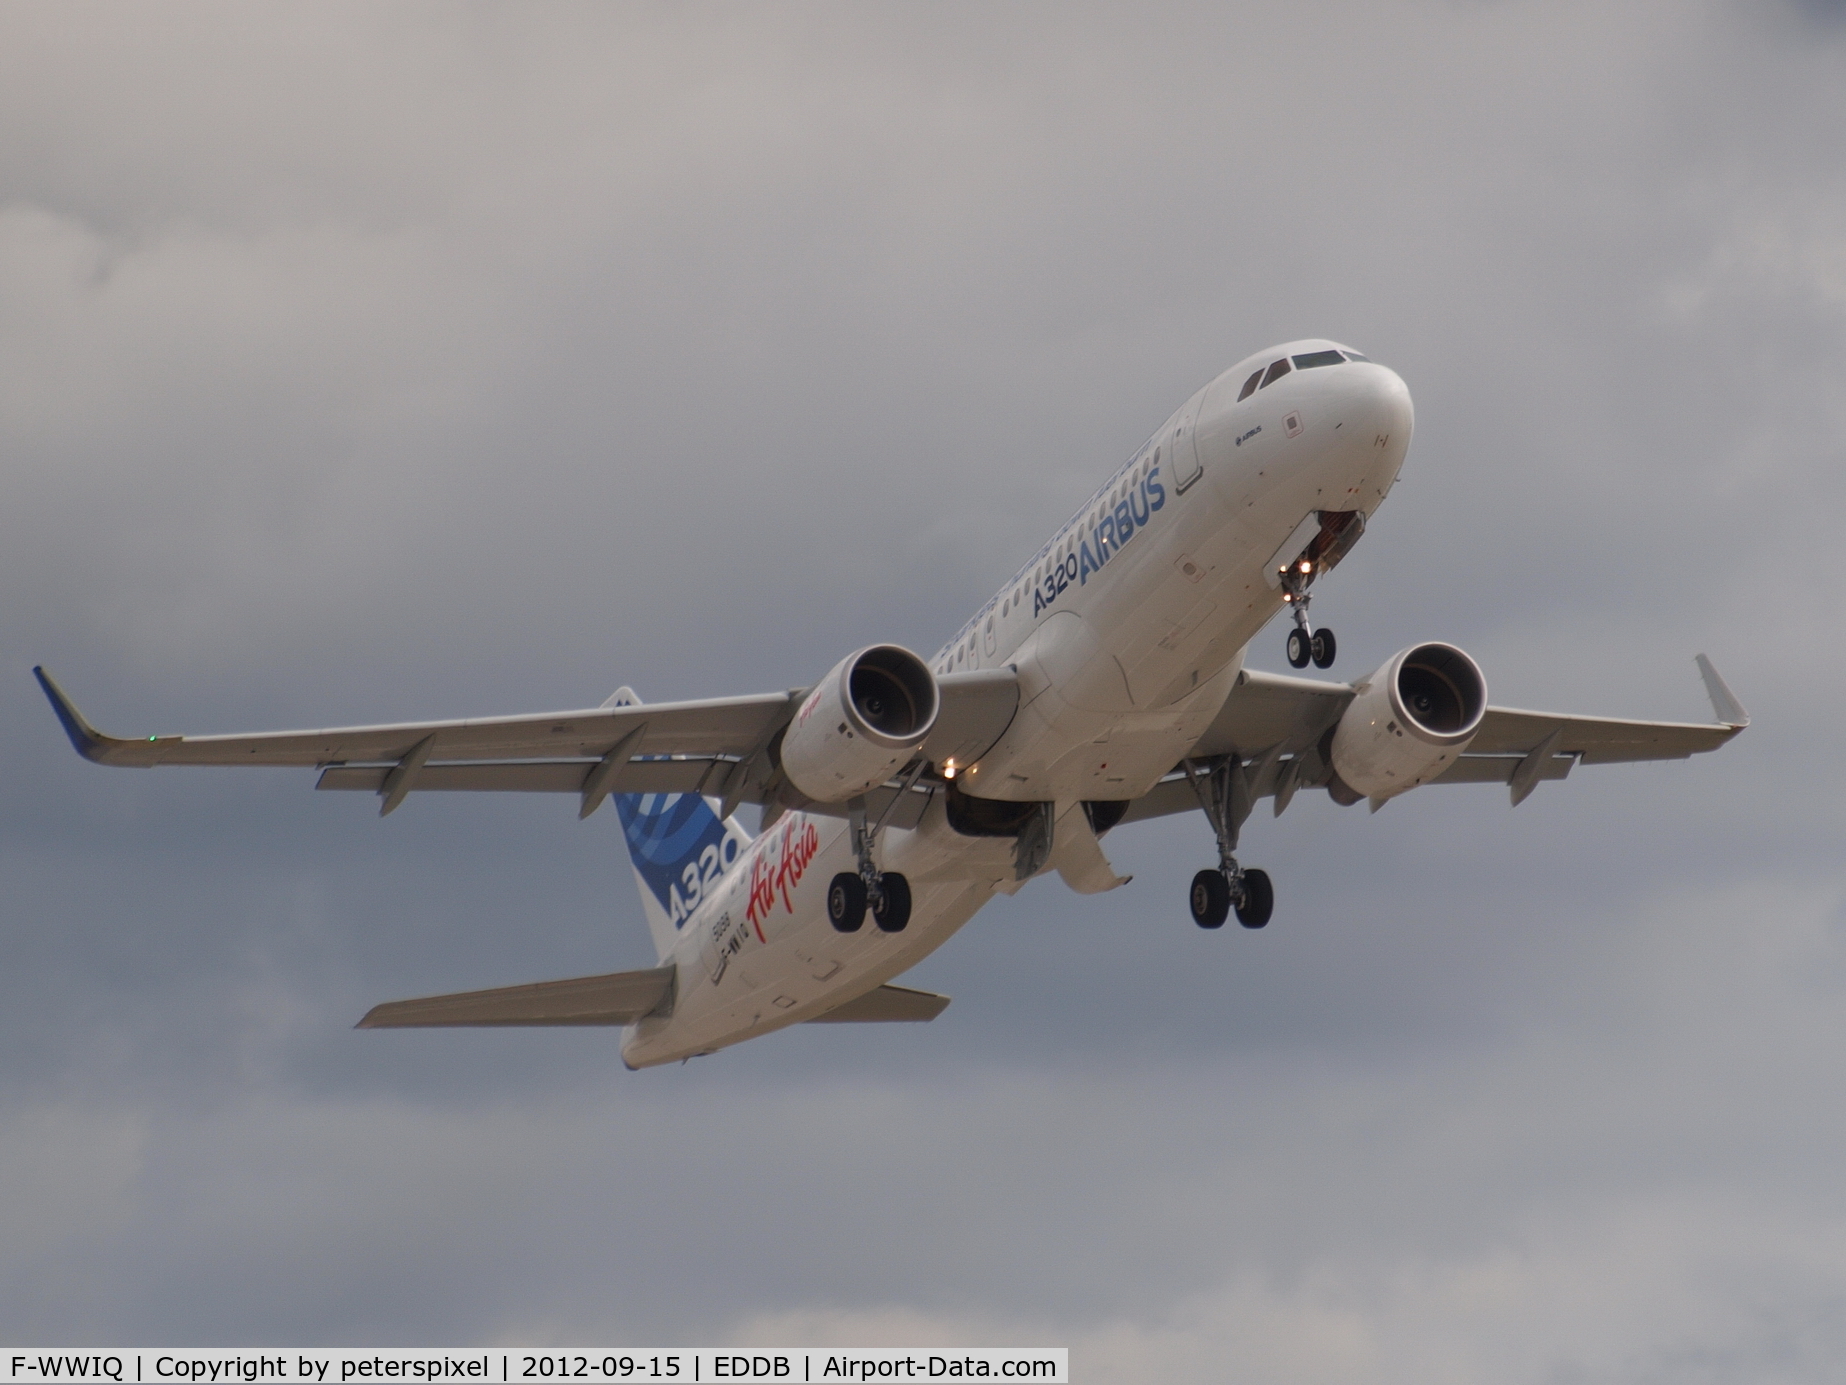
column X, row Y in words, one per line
column 1306, row 566
column 948, row 769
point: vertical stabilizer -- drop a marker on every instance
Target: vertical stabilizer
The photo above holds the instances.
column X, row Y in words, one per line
column 679, row 850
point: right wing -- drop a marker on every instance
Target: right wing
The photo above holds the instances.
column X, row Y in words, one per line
column 1276, row 726
column 720, row 747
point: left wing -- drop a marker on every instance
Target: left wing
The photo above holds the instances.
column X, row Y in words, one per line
column 720, row 747
column 720, row 726
column 1275, row 725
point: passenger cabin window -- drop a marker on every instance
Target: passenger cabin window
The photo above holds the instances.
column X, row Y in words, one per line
column 1249, row 387
column 1276, row 371
column 1314, row 358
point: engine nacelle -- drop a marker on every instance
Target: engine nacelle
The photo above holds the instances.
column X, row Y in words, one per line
column 1410, row 721
column 860, row 724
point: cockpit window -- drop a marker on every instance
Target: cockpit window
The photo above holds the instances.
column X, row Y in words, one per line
column 1277, row 370
column 1355, row 356
column 1249, row 387
column 1314, row 358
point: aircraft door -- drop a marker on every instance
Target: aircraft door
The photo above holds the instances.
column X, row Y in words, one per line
column 1181, row 446
column 987, row 635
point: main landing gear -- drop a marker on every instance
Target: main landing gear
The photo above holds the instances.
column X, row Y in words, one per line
column 1224, row 794
column 1304, row 641
column 850, row 894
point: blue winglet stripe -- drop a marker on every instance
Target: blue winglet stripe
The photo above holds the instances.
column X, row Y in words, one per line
column 82, row 734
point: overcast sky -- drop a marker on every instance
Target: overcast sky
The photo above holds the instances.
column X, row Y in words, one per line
column 380, row 363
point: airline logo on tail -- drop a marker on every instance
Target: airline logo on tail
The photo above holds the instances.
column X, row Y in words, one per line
column 679, row 848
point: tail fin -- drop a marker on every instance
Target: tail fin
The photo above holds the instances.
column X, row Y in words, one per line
column 678, row 847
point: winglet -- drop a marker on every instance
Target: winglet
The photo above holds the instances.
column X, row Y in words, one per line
column 89, row 741
column 1724, row 703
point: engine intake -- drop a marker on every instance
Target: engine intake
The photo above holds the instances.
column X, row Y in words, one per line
column 1409, row 722
column 861, row 722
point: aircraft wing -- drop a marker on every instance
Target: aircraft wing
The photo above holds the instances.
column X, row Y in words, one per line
column 1275, row 724
column 717, row 746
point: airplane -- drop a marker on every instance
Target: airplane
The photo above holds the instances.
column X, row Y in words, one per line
column 1104, row 683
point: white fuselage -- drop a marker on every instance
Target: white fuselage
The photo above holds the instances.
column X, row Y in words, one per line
column 1127, row 630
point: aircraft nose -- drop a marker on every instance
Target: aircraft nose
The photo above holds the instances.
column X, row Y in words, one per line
column 1364, row 418
column 1374, row 401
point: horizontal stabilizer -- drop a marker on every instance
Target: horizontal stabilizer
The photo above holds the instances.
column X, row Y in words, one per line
column 887, row 1005
column 621, row 997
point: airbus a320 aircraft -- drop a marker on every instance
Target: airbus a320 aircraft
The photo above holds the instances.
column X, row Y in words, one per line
column 1104, row 683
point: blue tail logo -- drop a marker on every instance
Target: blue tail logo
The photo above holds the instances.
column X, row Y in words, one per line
column 679, row 848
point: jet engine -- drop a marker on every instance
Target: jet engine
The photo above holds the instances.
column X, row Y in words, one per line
column 859, row 725
column 1409, row 722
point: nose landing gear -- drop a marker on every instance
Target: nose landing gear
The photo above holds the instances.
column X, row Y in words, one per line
column 1305, row 643
column 1339, row 530
column 1224, row 794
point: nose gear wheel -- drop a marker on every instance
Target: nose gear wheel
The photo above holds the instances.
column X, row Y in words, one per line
column 1321, row 648
column 1300, row 648
column 1305, row 643
column 1339, row 531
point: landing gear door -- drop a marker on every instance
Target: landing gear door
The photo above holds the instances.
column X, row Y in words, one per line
column 1182, row 449
column 1316, row 546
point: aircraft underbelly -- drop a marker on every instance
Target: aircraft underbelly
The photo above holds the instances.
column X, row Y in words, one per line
column 798, row 966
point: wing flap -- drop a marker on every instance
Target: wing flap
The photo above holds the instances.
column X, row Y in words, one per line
column 1498, row 769
column 1175, row 795
column 559, row 776
column 617, row 998
column 1166, row 798
column 887, row 1005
